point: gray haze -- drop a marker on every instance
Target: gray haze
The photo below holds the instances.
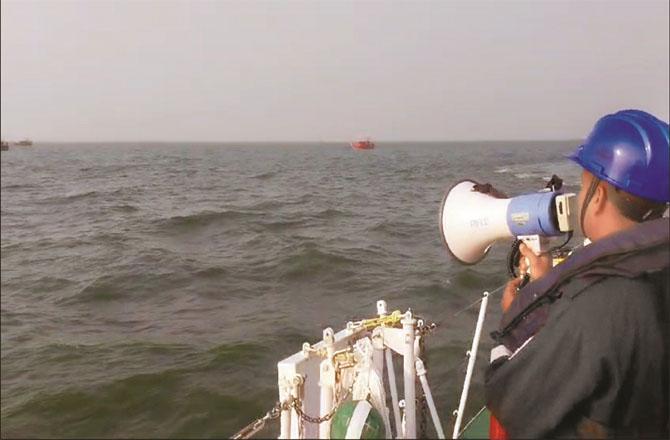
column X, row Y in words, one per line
column 289, row 70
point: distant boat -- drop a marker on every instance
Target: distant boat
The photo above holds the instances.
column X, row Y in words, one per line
column 24, row 143
column 363, row 144
column 4, row 146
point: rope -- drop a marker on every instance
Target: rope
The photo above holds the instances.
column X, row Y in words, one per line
column 479, row 300
column 388, row 321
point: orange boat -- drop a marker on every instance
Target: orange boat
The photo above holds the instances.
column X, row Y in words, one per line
column 363, row 144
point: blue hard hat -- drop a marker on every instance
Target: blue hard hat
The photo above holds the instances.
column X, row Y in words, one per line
column 630, row 150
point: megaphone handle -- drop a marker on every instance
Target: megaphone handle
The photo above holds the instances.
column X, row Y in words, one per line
column 513, row 259
column 527, row 265
column 524, row 281
column 537, row 244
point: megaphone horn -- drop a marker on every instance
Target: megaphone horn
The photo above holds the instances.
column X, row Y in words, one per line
column 471, row 221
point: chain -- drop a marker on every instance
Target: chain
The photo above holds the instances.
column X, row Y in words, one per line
column 274, row 413
column 258, row 424
column 426, row 329
column 422, row 402
column 343, row 359
column 318, row 420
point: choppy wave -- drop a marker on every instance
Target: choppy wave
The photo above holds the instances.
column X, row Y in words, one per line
column 144, row 406
column 107, row 288
column 20, row 186
column 166, row 402
column 258, row 215
column 90, row 195
column 331, row 213
column 395, row 229
column 76, row 195
column 274, row 204
column 265, row 175
column 543, row 171
column 203, row 219
column 235, row 355
column 215, row 272
column 309, row 262
column 283, row 225
column 125, row 208
column 51, row 283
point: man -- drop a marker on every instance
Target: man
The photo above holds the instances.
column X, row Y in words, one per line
column 584, row 347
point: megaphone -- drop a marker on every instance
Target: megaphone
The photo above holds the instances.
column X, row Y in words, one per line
column 471, row 221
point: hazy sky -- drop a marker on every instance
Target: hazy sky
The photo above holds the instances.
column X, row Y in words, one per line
column 322, row 70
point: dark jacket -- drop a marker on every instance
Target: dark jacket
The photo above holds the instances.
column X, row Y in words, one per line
column 590, row 344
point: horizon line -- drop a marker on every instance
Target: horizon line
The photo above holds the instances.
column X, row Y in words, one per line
column 312, row 141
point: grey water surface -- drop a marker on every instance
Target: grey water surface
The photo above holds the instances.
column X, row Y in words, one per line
column 148, row 290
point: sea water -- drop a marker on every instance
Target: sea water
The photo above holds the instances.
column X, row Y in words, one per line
column 149, row 290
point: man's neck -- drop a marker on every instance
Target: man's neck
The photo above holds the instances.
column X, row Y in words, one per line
column 611, row 226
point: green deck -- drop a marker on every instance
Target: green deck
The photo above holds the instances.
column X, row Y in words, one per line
column 478, row 426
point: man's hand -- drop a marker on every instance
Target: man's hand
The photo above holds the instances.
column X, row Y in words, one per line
column 509, row 293
column 539, row 264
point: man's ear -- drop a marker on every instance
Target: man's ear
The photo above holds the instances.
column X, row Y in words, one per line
column 599, row 199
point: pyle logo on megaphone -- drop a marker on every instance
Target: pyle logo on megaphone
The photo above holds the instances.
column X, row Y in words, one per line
column 472, row 220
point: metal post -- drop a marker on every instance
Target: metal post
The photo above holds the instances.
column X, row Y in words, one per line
column 297, row 428
column 378, row 351
column 472, row 356
column 408, row 325
column 326, row 404
column 394, row 392
column 421, row 372
column 285, row 423
column 403, row 420
column 327, row 382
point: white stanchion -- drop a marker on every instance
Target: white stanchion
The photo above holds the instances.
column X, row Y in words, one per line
column 408, row 325
column 472, row 356
column 421, row 372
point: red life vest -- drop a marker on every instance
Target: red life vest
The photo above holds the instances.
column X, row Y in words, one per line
column 496, row 430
